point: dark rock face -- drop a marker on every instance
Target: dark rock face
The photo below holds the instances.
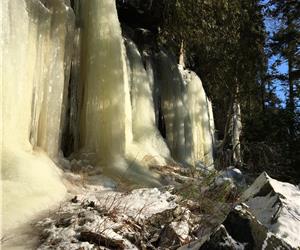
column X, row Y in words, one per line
column 221, row 240
column 141, row 13
column 239, row 227
column 241, row 230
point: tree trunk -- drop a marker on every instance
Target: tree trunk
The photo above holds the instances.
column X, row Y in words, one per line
column 291, row 106
column 236, row 133
column 182, row 55
column 291, row 101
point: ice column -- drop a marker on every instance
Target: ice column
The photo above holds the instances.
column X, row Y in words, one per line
column 171, row 88
column 106, row 113
column 200, row 120
column 187, row 113
column 148, row 146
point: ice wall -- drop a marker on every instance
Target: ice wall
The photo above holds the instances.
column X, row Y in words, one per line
column 34, row 39
column 52, row 70
column 117, row 119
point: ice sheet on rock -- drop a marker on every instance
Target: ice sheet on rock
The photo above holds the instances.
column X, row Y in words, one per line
column 276, row 205
column 231, row 175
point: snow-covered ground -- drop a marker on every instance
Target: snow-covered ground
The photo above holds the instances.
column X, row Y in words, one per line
column 143, row 218
column 98, row 216
column 102, row 211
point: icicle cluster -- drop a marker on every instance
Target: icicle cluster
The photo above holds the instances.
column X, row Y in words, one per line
column 36, row 59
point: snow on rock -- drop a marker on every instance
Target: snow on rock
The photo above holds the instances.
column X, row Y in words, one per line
column 104, row 217
column 231, row 175
column 176, row 232
column 99, row 217
column 277, row 206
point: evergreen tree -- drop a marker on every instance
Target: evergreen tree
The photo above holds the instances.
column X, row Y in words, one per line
column 285, row 43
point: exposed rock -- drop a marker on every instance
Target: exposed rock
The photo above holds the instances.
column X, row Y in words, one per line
column 137, row 13
column 222, row 240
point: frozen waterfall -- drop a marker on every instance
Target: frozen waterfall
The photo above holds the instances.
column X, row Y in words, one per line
column 74, row 84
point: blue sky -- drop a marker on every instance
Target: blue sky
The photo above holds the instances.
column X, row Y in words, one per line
column 271, row 26
column 283, row 68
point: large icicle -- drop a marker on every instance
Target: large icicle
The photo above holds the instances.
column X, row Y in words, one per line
column 187, row 113
column 106, row 115
column 34, row 74
column 201, row 120
column 171, row 88
column 148, row 146
column 54, row 67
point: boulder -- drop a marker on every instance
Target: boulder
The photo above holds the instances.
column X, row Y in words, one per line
column 241, row 230
column 233, row 176
column 277, row 206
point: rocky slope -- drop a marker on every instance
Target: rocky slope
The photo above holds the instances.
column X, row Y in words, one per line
column 101, row 217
